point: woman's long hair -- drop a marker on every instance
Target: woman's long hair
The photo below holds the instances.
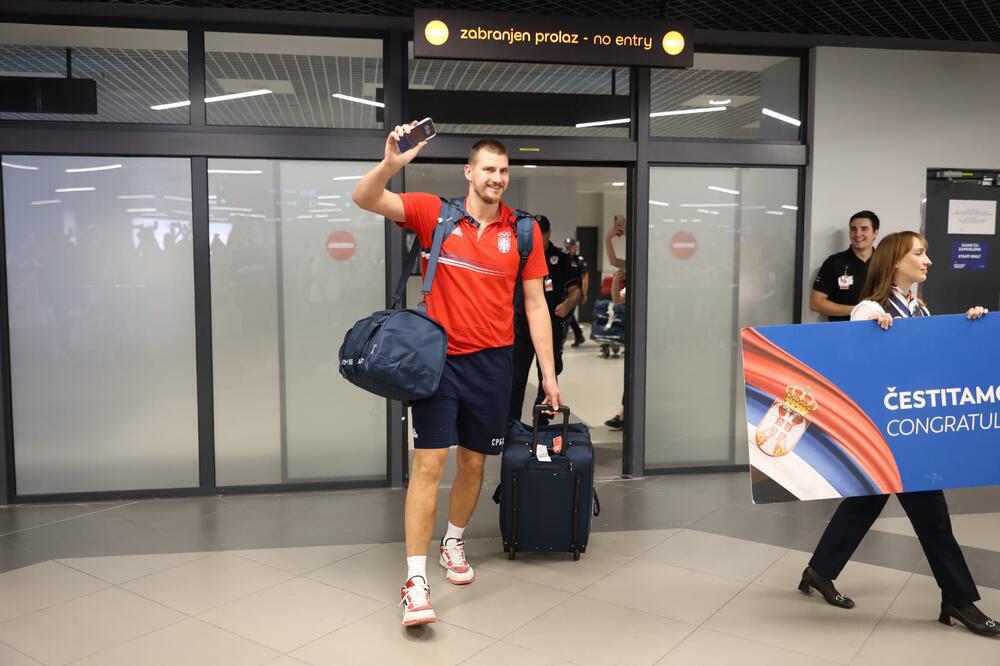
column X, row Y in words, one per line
column 882, row 267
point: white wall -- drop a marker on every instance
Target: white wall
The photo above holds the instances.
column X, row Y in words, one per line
column 880, row 118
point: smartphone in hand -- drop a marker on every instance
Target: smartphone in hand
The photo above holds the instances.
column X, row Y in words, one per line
column 424, row 131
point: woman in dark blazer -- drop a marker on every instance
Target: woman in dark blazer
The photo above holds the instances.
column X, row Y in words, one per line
column 899, row 263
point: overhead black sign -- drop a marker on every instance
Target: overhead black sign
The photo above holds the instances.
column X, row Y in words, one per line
column 563, row 39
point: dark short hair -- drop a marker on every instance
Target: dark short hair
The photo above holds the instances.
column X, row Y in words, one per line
column 865, row 214
column 492, row 145
column 543, row 223
column 570, row 242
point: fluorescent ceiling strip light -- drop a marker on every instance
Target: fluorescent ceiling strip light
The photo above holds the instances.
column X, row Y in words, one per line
column 245, row 172
column 724, row 190
column 530, row 166
column 241, row 210
column 106, row 167
column 327, row 203
column 720, row 102
column 42, row 202
column 249, row 93
column 140, row 210
column 303, row 217
column 359, row 100
column 184, row 199
column 328, row 196
column 658, row 203
column 209, row 100
column 339, row 219
column 136, row 196
column 348, row 177
column 684, row 112
column 780, row 116
column 76, row 189
column 170, row 105
column 774, row 212
column 705, row 210
column 789, row 207
column 180, row 212
column 709, row 205
column 600, row 123
column 19, row 166
column 618, row 183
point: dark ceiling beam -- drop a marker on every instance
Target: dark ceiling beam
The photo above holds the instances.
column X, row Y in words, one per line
column 100, row 12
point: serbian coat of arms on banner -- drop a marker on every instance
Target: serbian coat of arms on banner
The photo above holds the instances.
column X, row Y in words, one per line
column 785, row 422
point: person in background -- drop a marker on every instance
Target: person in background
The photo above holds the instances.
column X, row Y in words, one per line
column 572, row 248
column 838, row 284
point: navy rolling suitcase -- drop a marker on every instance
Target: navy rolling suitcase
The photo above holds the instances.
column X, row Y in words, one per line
column 547, row 505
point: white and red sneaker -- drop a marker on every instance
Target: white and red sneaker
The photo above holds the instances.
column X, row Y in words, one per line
column 459, row 571
column 416, row 602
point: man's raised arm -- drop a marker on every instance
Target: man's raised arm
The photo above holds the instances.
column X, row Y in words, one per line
column 370, row 193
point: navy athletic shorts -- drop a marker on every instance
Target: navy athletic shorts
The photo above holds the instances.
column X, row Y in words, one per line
column 470, row 406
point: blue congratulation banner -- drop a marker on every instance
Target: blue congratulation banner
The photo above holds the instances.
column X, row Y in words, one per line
column 844, row 409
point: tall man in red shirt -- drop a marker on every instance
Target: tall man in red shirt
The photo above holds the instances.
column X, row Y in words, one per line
column 473, row 300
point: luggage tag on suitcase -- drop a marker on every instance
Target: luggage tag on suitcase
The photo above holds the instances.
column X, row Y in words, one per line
column 542, row 453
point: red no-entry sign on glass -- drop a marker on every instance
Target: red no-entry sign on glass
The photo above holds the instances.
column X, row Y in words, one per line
column 340, row 245
column 683, row 244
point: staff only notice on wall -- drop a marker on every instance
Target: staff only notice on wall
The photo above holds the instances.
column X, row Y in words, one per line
column 557, row 39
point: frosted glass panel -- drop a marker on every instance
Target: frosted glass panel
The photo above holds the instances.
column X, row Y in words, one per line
column 294, row 265
column 721, row 256
column 101, row 300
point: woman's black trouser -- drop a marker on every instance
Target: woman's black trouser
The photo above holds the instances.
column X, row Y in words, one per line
column 928, row 513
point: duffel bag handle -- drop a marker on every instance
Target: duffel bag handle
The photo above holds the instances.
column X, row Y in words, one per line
column 537, row 413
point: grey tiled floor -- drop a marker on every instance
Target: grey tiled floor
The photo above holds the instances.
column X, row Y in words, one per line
column 680, row 570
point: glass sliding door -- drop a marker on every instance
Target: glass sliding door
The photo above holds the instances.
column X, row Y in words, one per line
column 294, row 265
column 721, row 256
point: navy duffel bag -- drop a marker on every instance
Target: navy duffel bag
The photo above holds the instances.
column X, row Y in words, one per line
column 400, row 354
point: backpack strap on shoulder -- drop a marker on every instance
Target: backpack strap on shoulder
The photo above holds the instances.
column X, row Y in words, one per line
column 452, row 212
column 525, row 238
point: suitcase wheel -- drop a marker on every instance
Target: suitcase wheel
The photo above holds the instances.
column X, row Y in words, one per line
column 511, row 554
column 576, row 555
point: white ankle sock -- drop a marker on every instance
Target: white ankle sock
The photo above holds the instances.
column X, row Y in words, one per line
column 454, row 532
column 416, row 566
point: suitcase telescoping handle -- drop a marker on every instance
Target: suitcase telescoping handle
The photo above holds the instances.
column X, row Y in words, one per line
column 536, row 414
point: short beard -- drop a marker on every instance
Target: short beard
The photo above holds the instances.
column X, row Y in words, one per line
column 486, row 196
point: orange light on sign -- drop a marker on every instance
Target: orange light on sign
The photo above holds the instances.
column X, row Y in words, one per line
column 673, row 42
column 436, row 32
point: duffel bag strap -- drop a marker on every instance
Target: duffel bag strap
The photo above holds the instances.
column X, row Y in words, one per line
column 408, row 264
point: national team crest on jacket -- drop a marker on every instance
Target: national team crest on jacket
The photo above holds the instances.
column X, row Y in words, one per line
column 785, row 422
column 503, row 242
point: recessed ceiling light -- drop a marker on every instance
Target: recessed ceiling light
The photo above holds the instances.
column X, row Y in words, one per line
column 19, row 166
column 658, row 203
column 249, row 93
column 618, row 183
column 76, row 189
column 601, row 123
column 789, row 207
column 720, row 102
column 106, row 167
column 530, row 166
column 724, row 190
column 359, row 100
column 780, row 116
column 684, row 112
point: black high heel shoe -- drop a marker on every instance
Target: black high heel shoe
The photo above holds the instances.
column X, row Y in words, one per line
column 973, row 618
column 811, row 579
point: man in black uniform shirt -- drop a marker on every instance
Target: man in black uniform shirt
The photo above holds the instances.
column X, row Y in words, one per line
column 572, row 248
column 562, row 294
column 838, row 284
